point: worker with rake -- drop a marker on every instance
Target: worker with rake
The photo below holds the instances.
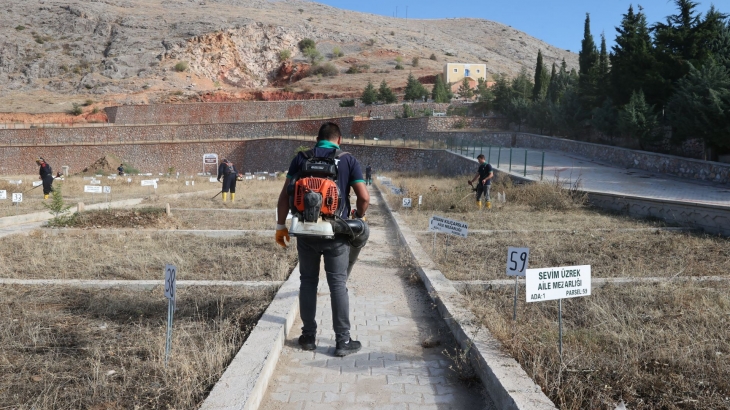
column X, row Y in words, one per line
column 46, row 175
column 228, row 172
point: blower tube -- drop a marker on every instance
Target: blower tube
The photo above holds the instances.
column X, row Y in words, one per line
column 356, row 229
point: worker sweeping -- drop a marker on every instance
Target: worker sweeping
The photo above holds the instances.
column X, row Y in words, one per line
column 228, row 172
column 46, row 175
column 485, row 175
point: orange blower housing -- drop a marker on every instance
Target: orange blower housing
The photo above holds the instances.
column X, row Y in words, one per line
column 314, row 196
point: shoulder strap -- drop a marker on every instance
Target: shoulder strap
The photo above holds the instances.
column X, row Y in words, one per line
column 339, row 153
column 308, row 154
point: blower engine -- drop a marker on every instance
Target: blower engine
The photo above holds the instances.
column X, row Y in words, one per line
column 313, row 202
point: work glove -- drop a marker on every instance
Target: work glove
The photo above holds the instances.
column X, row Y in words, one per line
column 281, row 234
column 354, row 215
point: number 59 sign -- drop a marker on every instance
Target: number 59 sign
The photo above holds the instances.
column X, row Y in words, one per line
column 517, row 261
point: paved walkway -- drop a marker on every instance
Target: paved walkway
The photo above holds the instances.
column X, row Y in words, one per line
column 392, row 318
column 602, row 177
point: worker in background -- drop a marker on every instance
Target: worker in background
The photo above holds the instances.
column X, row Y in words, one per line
column 46, row 175
column 368, row 175
column 228, row 172
column 336, row 252
column 120, row 170
column 485, row 175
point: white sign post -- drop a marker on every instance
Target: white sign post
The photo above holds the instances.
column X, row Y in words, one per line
column 107, row 190
column 407, row 202
column 558, row 283
column 3, row 194
column 516, row 266
column 17, row 197
column 439, row 224
column 210, row 159
column 92, row 189
column 170, row 289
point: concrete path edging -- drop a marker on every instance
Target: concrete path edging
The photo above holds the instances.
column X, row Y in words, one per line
column 45, row 215
column 243, row 385
column 509, row 386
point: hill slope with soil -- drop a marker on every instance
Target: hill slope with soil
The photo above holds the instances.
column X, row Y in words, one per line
column 55, row 53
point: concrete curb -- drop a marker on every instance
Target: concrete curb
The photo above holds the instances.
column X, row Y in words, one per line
column 136, row 284
column 210, row 233
column 506, row 382
column 243, row 384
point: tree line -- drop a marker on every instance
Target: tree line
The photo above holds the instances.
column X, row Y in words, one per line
column 672, row 75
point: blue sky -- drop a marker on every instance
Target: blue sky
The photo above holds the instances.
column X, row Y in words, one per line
column 558, row 22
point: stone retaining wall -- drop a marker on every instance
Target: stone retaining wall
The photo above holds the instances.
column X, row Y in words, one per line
column 453, row 123
column 247, row 111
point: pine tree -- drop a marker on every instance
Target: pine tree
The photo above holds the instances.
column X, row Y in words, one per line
column 439, row 94
column 700, row 106
column 502, row 93
column 465, row 90
column 638, row 121
column 414, row 89
column 552, row 93
column 369, row 95
column 587, row 62
column 539, row 76
column 633, row 66
column 484, row 93
column 385, row 94
column 720, row 47
column 522, row 85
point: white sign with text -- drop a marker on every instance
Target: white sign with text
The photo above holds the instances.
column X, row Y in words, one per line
column 3, row 194
column 445, row 225
column 107, row 189
column 170, row 281
column 557, row 283
column 17, row 197
column 92, row 189
column 407, row 202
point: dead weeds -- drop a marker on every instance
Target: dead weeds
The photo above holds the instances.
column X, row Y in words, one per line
column 127, row 255
column 659, row 346
column 64, row 348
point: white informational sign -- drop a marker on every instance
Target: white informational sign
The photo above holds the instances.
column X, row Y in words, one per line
column 37, row 183
column 407, row 202
column 129, row 180
column 517, row 261
column 170, row 279
column 420, row 199
column 112, row 176
column 15, row 181
column 95, row 182
column 99, row 176
column 210, row 158
column 262, row 178
column 92, row 189
column 107, row 190
column 557, row 283
column 17, row 197
column 249, row 176
column 213, row 179
column 88, row 178
column 187, row 183
column 3, row 194
column 148, row 182
column 440, row 224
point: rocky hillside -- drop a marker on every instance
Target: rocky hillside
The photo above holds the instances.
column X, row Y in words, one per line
column 54, row 53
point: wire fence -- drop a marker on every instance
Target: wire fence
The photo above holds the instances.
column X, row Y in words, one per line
column 514, row 160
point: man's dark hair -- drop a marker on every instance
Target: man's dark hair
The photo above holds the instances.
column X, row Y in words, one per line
column 480, row 156
column 329, row 131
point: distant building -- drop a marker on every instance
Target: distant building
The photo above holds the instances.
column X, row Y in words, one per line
column 454, row 74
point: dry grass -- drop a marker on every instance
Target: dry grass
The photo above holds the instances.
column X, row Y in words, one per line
column 250, row 194
column 228, row 220
column 528, row 207
column 63, row 348
column 654, row 346
column 610, row 253
column 126, row 255
column 73, row 191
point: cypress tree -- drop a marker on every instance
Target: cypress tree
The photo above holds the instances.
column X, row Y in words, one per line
column 603, row 72
column 465, row 90
column 552, row 94
column 369, row 95
column 539, row 76
column 587, row 62
column 633, row 66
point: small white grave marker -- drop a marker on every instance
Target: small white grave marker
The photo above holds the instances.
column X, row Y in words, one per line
column 148, row 182
column 3, row 194
column 107, row 190
column 37, row 183
column 17, row 197
column 95, row 182
column 92, row 189
column 517, row 261
column 213, row 179
column 407, row 202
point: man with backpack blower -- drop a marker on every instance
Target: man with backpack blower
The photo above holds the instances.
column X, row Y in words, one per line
column 316, row 191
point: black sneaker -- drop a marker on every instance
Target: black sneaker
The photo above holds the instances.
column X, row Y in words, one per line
column 307, row 342
column 349, row 347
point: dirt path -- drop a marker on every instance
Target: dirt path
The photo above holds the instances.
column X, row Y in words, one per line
column 392, row 316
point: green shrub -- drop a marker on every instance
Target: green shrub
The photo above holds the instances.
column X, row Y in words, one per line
column 371, row 42
column 312, row 55
column 76, row 110
column 88, row 103
column 306, row 43
column 433, row 57
column 325, row 70
column 415, row 61
column 450, row 54
column 337, row 52
column 392, row 33
column 181, row 66
column 399, row 67
column 347, row 103
column 284, row 55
